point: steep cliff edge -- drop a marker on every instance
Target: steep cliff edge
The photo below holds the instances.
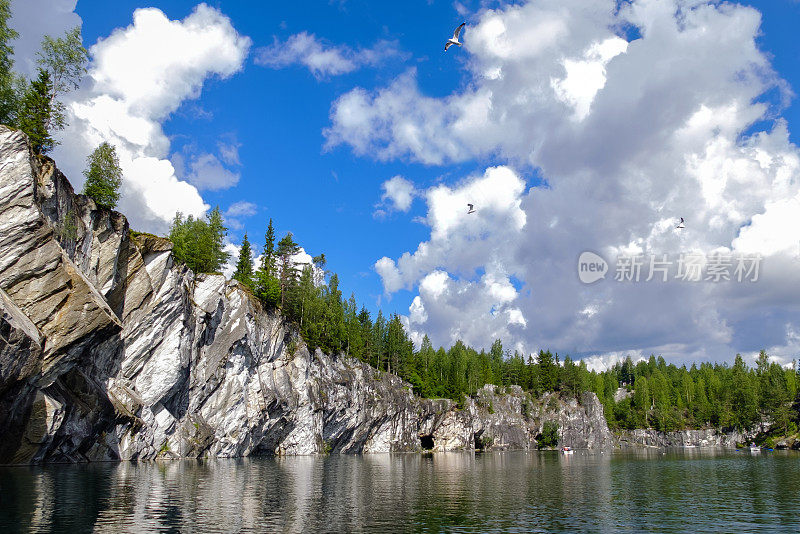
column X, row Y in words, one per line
column 110, row 350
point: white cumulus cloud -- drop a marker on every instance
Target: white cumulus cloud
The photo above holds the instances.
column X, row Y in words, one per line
column 398, row 194
column 138, row 76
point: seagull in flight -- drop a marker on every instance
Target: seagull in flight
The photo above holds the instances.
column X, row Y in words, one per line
column 471, row 208
column 454, row 40
column 680, row 224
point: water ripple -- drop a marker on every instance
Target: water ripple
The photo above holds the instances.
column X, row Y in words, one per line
column 634, row 491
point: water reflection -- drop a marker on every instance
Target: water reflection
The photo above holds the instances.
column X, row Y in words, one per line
column 643, row 490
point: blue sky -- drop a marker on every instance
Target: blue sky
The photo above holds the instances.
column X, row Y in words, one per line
column 326, row 198
column 572, row 170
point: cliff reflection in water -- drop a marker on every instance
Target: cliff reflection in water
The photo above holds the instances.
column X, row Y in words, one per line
column 676, row 492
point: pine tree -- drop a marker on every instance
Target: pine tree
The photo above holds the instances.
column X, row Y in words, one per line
column 288, row 273
column 36, row 114
column 103, row 176
column 268, row 256
column 217, row 232
column 333, row 320
column 244, row 267
column 547, row 371
column 9, row 95
column 267, row 286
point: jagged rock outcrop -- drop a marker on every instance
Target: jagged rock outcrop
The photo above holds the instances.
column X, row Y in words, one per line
column 110, row 350
column 508, row 418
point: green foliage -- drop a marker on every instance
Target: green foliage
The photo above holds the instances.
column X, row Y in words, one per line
column 526, row 408
column 288, row 273
column 62, row 63
column 484, row 442
column 199, row 243
column 266, row 285
column 65, row 59
column 68, row 229
column 134, row 233
column 549, row 435
column 103, row 176
column 667, row 397
column 9, row 82
column 37, row 114
column 244, row 267
column 35, row 107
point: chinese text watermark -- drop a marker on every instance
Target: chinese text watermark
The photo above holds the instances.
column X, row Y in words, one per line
column 684, row 267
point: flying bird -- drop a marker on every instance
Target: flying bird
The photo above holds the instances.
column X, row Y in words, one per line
column 471, row 208
column 680, row 224
column 454, row 40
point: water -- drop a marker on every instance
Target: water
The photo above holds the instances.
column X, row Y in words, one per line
column 635, row 491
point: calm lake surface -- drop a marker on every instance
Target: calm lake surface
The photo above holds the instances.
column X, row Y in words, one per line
column 645, row 490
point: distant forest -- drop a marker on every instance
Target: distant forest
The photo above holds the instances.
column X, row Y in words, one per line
column 645, row 394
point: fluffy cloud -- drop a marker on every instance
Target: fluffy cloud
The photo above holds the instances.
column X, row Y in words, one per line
column 623, row 119
column 320, row 58
column 398, row 194
column 27, row 20
column 138, row 76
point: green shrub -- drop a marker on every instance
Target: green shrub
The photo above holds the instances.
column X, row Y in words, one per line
column 549, row 435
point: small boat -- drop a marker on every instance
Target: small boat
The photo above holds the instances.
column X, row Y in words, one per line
column 566, row 450
column 754, row 448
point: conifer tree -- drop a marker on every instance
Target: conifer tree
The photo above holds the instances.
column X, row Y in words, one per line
column 268, row 256
column 267, row 286
column 547, row 371
column 9, row 90
column 244, row 267
column 103, row 176
column 217, row 232
column 288, row 273
column 36, row 114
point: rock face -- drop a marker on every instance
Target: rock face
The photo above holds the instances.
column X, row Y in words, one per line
column 508, row 418
column 109, row 350
column 684, row 438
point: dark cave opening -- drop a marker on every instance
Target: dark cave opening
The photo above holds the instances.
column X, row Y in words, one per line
column 426, row 441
